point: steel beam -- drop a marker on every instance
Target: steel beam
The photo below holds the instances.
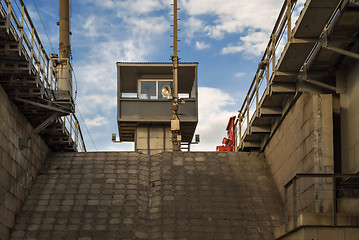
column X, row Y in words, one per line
column 343, row 52
column 23, row 141
column 41, row 105
column 270, row 111
column 260, row 129
column 283, row 88
column 251, row 144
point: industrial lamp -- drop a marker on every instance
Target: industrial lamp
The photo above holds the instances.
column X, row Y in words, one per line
column 166, row 91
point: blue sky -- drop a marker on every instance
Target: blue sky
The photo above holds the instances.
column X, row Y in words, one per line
column 226, row 37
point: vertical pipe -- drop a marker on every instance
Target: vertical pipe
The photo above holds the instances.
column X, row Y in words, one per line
column 176, row 143
column 64, row 72
column 64, row 32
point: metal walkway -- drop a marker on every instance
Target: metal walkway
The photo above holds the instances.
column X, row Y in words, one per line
column 27, row 76
column 325, row 32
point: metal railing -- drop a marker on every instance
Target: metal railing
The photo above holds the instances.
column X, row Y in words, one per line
column 281, row 35
column 71, row 124
column 317, row 193
column 20, row 25
column 281, row 32
column 19, row 22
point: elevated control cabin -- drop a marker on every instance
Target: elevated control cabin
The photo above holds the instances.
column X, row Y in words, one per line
column 144, row 114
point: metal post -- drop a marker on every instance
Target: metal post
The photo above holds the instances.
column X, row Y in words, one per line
column 48, row 73
column 294, row 202
column 8, row 17
column 32, row 49
column 289, row 19
column 257, row 94
column 21, row 29
column 175, row 124
column 64, row 124
column 64, row 32
column 248, row 103
column 267, row 74
column 334, row 200
column 64, row 72
column 286, row 209
column 240, row 129
column 273, row 52
column 70, row 125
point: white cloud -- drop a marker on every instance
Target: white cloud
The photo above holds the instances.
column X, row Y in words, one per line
column 148, row 25
column 202, row 45
column 106, row 43
column 254, row 43
column 192, row 26
column 239, row 74
column 91, row 26
column 213, row 118
column 234, row 16
column 129, row 7
column 95, row 103
column 96, row 122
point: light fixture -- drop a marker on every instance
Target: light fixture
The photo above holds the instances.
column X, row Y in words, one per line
column 166, row 91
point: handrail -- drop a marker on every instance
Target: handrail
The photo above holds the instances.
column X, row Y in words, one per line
column 266, row 66
column 40, row 63
column 71, row 124
column 29, row 41
column 319, row 190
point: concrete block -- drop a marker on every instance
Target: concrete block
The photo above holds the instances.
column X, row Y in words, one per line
column 142, row 131
column 4, row 231
column 331, row 234
column 142, row 143
column 10, row 202
column 156, row 132
column 156, row 143
column 7, row 218
column 351, row 233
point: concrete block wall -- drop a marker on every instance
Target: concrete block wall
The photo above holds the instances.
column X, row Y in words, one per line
column 18, row 169
column 153, row 139
column 171, row 195
column 303, row 143
column 324, row 233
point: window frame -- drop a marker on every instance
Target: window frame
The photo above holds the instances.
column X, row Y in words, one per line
column 151, row 80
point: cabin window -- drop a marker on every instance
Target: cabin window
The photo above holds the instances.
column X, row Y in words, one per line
column 152, row 89
column 148, row 90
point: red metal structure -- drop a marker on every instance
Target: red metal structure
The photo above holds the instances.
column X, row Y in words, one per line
column 229, row 144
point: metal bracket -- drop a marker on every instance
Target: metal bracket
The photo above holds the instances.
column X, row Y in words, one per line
column 343, row 52
column 305, row 78
column 326, row 45
column 354, row 3
column 23, row 141
column 41, row 105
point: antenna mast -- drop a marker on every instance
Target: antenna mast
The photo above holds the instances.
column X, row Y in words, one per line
column 175, row 123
